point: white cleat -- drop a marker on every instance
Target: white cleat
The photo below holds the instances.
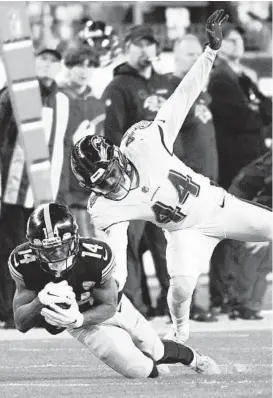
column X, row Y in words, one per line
column 204, row 364
column 177, row 336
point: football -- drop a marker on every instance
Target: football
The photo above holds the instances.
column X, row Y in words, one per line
column 64, row 306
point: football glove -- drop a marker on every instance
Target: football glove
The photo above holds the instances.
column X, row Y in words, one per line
column 64, row 318
column 214, row 29
column 56, row 293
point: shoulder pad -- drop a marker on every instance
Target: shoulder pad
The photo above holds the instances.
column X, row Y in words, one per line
column 25, row 254
column 22, row 254
column 143, row 124
column 100, row 251
column 94, row 248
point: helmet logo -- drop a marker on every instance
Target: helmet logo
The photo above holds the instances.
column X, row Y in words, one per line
column 97, row 175
column 101, row 146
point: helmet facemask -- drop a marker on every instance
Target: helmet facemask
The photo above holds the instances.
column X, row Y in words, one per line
column 115, row 182
column 100, row 167
column 53, row 235
column 57, row 255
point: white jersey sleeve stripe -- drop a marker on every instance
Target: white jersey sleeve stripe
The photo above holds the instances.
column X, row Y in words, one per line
column 108, row 270
column 162, row 140
column 105, row 270
column 174, row 111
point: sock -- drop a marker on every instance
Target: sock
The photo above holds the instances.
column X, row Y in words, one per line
column 180, row 312
column 154, row 372
column 176, row 353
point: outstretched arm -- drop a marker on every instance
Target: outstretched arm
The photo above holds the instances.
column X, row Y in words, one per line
column 174, row 111
column 26, row 307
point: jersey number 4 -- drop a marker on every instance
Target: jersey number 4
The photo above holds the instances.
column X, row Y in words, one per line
column 184, row 187
column 92, row 250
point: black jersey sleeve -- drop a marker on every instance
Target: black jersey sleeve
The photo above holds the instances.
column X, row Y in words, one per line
column 13, row 264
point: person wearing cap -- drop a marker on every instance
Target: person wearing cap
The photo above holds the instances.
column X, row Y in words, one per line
column 48, row 64
column 16, row 197
column 235, row 105
column 87, row 116
column 137, row 92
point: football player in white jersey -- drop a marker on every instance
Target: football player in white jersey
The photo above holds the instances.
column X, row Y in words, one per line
column 143, row 180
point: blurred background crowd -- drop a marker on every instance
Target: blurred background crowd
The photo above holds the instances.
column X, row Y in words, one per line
column 103, row 66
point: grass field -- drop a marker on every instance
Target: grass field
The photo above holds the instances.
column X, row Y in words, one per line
column 35, row 365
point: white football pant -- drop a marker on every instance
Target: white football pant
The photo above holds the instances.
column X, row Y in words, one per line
column 120, row 342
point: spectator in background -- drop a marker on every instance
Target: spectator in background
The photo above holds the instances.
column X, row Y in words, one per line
column 242, row 120
column 196, row 143
column 102, row 39
column 79, row 63
column 245, row 265
column 87, row 116
column 235, row 106
column 17, row 199
column 136, row 93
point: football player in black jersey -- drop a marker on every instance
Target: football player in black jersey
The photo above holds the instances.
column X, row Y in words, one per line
column 66, row 282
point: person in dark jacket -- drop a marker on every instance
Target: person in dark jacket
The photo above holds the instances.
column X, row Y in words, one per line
column 87, row 115
column 16, row 197
column 241, row 117
column 136, row 93
column 196, row 143
column 235, row 105
column 242, row 276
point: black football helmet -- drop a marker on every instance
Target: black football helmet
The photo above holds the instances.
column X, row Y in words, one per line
column 101, row 167
column 103, row 39
column 52, row 231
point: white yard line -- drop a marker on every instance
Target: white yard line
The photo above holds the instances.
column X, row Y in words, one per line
column 125, row 383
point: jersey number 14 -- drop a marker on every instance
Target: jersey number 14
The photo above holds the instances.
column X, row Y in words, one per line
column 184, row 187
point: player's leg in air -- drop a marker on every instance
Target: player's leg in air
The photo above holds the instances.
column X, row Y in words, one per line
column 129, row 345
column 244, row 220
column 189, row 250
column 188, row 255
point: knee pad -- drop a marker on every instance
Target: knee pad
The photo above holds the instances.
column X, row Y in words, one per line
column 182, row 287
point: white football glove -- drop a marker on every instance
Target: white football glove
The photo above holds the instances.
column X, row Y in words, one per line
column 56, row 293
column 64, row 318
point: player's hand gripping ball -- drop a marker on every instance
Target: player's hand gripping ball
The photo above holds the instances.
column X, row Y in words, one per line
column 57, row 293
column 63, row 318
column 61, row 308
